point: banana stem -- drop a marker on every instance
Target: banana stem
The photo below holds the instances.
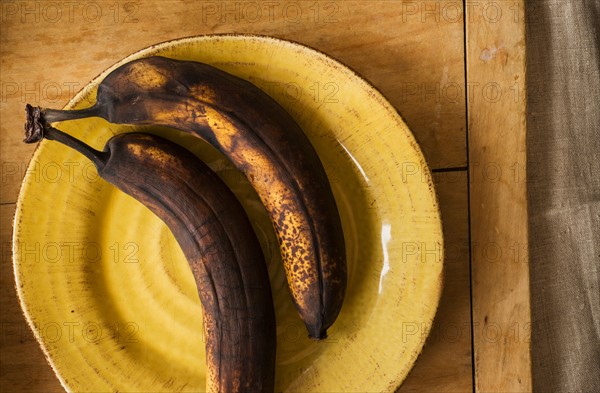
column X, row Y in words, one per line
column 55, row 115
column 99, row 158
column 38, row 119
column 37, row 128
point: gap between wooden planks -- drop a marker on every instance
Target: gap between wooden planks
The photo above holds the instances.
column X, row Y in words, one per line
column 497, row 210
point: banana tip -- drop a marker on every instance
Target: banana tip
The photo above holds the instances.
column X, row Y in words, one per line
column 321, row 335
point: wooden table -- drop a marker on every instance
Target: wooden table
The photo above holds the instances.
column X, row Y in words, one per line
column 454, row 70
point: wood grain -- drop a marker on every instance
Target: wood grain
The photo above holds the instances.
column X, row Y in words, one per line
column 415, row 58
column 414, row 53
column 498, row 208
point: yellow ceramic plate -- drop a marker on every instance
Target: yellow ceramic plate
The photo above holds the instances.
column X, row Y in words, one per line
column 109, row 294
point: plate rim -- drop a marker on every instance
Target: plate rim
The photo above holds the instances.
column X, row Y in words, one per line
column 151, row 50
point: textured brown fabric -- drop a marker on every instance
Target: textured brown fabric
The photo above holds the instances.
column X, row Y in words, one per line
column 563, row 142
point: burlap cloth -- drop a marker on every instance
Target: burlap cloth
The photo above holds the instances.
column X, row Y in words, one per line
column 563, row 168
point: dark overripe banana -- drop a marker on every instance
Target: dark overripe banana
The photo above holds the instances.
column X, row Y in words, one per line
column 264, row 142
column 218, row 241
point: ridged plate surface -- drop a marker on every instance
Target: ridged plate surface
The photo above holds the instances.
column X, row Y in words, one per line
column 109, row 294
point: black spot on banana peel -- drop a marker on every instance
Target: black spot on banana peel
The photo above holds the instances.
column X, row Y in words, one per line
column 264, row 142
column 219, row 243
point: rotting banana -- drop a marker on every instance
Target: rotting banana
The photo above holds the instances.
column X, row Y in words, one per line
column 264, row 142
column 218, row 241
